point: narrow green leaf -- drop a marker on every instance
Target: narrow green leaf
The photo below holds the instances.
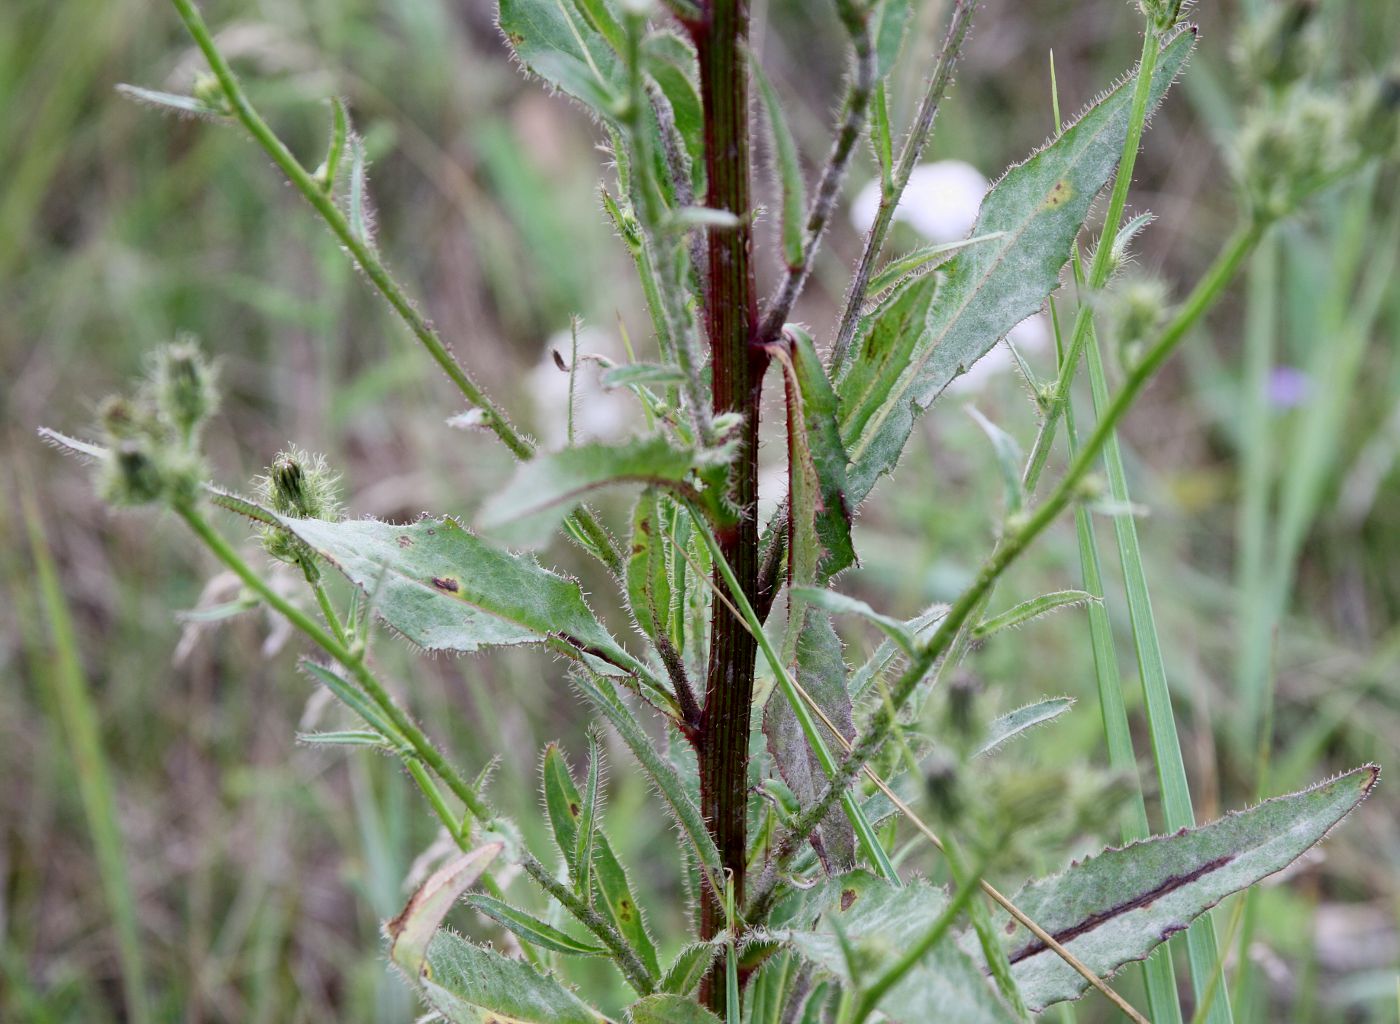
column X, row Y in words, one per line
column 1009, row 459
column 689, row 968
column 335, row 148
column 1116, row 907
column 344, row 738
column 896, row 270
column 545, row 489
column 532, row 929
column 648, row 581
column 662, row 774
column 841, row 604
column 670, row 61
column 1015, row 723
column 358, row 211
column 920, row 627
column 351, row 696
column 471, row 985
column 1032, row 609
column 170, row 101
column 669, row 1009
column 881, row 140
column 907, row 352
column 880, row 922
column 588, row 819
column 889, row 27
column 817, row 464
column 637, row 374
column 789, row 169
column 821, row 671
column 564, row 807
column 412, row 931
column 445, row 589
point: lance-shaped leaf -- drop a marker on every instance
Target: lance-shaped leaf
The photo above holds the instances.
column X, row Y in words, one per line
column 1118, row 906
column 1032, row 609
column 878, row 923
column 471, row 985
column 842, row 604
column 689, row 968
column 1014, row 723
column 544, row 490
column 920, row 626
column 446, row 589
column 821, row 671
column 669, row 1009
column 531, row 928
column 911, row 347
column 564, row 807
column 789, row 168
column 411, row 932
column 670, row 61
column 817, row 463
column 648, row 579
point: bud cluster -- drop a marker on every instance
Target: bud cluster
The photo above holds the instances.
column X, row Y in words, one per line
column 299, row 485
column 152, row 436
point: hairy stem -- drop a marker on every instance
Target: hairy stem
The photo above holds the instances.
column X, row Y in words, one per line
column 595, row 537
column 737, row 364
column 942, row 77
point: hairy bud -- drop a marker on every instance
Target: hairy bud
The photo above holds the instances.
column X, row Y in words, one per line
column 131, row 476
column 302, row 486
column 183, row 384
column 1282, row 46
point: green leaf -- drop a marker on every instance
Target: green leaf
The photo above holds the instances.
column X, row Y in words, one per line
column 662, row 774
column 471, row 985
column 411, row 932
column 636, row 374
column 817, row 463
column 352, row 697
column 170, row 101
column 556, row 42
column 789, row 169
column 689, row 968
column 1008, row 455
column 1014, row 723
column 890, row 24
column 445, row 589
column 531, row 928
column 921, row 627
column 1117, row 907
column 358, row 209
column 821, row 671
column 669, row 1009
column 841, row 604
column 588, row 819
column 545, row 489
column 880, row 922
column 344, row 738
column 670, row 61
column 910, row 349
column 897, row 269
column 648, row 581
column 564, row 808
column 1032, row 609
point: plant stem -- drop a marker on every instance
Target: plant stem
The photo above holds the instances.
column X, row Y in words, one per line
column 737, row 366
column 368, row 261
column 942, row 77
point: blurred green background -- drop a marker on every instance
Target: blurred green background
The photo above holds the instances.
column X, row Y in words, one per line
column 259, row 870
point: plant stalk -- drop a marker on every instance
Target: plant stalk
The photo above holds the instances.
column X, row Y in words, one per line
column 737, row 364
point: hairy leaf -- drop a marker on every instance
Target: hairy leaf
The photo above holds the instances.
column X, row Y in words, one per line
column 669, row 1009
column 789, row 169
column 897, row 269
column 648, row 581
column 471, row 985
column 564, row 807
column 1032, row 609
column 531, row 928
column 879, row 923
column 411, row 932
column 1118, row 906
column 821, row 671
column 545, row 489
column 634, row 374
column 1014, row 723
column 816, row 465
column 555, row 40
column 689, row 968
column 1008, row 455
column 911, row 347
column 670, row 61
column 841, row 604
column 921, row 627
column 445, row 589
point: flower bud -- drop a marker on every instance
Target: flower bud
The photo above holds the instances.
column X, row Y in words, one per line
column 183, row 384
column 210, row 92
column 1134, row 310
column 1289, row 151
column 131, row 476
column 1282, row 46
column 301, row 486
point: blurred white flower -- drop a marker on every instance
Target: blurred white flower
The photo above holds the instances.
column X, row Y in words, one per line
column 598, row 415
column 940, row 202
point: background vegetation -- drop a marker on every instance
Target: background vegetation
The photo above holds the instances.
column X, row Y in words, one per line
column 257, row 871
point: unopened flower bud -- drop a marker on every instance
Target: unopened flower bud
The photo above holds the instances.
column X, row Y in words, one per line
column 184, row 386
column 131, row 476
column 210, row 92
column 301, row 486
column 1134, row 310
column 942, row 787
column 1282, row 46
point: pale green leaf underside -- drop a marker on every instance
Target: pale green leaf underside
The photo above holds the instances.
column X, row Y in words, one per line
column 552, row 39
column 471, row 985
column 531, row 928
column 669, row 1009
column 1117, row 907
column 882, row 922
column 445, row 589
column 546, row 488
column 1038, row 207
column 1014, row 723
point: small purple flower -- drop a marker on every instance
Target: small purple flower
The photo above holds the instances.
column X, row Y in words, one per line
column 1289, row 387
